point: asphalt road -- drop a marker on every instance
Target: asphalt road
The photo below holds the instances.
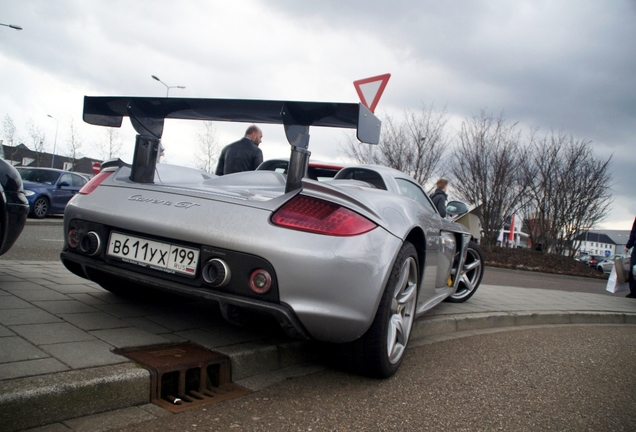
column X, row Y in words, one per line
column 39, row 241
column 570, row 378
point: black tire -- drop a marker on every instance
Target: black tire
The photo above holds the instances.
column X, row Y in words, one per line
column 470, row 275
column 41, row 208
column 381, row 350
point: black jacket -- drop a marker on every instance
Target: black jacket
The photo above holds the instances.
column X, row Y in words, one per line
column 439, row 199
column 242, row 155
column 632, row 238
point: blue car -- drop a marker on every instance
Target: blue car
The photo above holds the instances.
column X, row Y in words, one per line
column 48, row 190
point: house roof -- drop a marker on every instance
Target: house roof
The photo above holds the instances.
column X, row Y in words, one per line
column 615, row 237
column 16, row 154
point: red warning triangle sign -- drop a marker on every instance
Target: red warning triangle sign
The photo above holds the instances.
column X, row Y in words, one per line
column 371, row 89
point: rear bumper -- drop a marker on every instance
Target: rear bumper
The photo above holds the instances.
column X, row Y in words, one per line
column 97, row 271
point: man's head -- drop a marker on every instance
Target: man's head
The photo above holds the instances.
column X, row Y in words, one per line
column 254, row 133
column 441, row 184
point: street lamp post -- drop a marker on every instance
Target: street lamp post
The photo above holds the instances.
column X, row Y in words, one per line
column 154, row 77
column 57, row 123
column 13, row 26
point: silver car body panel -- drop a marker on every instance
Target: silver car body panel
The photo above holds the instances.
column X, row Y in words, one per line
column 331, row 285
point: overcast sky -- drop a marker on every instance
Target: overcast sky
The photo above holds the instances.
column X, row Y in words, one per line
column 567, row 66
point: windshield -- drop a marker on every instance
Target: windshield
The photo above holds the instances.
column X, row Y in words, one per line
column 39, row 176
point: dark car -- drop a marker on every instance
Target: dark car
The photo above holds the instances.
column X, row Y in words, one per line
column 315, row 170
column 595, row 260
column 48, row 190
column 13, row 206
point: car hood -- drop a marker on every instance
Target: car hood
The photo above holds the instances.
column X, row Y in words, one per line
column 34, row 185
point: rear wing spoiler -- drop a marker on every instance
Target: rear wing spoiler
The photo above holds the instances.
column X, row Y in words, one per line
column 147, row 115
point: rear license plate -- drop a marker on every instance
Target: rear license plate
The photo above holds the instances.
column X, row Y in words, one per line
column 157, row 255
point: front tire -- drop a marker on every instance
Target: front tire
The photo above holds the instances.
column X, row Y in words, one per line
column 41, row 208
column 381, row 350
column 470, row 275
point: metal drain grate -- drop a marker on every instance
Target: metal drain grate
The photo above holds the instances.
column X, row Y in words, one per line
column 185, row 375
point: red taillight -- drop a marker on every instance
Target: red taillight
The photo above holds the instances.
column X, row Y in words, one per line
column 321, row 217
column 94, row 182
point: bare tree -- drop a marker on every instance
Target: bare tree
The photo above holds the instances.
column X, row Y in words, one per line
column 10, row 133
column 74, row 145
column 414, row 146
column 208, row 149
column 37, row 141
column 486, row 170
column 561, row 202
column 111, row 147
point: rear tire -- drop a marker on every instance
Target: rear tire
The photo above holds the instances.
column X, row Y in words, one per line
column 470, row 276
column 381, row 350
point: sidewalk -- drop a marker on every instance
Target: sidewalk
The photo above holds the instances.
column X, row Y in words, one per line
column 57, row 333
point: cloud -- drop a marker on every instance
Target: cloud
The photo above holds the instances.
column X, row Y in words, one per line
column 565, row 66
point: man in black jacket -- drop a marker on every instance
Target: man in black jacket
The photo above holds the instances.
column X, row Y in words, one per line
column 439, row 197
column 242, row 155
column 630, row 244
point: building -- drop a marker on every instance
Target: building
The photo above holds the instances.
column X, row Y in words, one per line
column 601, row 242
column 21, row 155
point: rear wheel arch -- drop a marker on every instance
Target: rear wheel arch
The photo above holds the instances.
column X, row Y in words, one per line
column 380, row 351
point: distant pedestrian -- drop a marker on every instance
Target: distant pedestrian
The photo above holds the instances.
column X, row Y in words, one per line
column 630, row 244
column 439, row 197
column 242, row 155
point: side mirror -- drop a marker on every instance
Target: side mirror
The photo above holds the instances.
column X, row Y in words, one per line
column 64, row 184
column 456, row 208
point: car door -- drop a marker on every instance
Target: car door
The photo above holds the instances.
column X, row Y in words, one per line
column 67, row 186
column 440, row 245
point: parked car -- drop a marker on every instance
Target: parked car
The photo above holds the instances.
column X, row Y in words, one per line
column 594, row 260
column 605, row 266
column 48, row 190
column 315, row 170
column 351, row 261
column 14, row 207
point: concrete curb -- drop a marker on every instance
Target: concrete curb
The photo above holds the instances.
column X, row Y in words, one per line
column 441, row 325
column 35, row 401
column 45, row 222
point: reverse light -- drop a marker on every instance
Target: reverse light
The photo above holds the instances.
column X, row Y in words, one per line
column 314, row 215
column 260, row 281
column 94, row 182
column 73, row 238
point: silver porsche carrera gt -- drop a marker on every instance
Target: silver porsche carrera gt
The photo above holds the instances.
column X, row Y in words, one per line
column 353, row 260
